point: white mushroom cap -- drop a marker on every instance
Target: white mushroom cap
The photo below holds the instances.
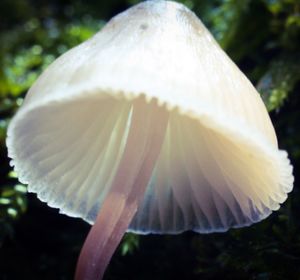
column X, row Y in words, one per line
column 219, row 166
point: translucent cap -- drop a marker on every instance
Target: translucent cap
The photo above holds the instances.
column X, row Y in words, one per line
column 219, row 166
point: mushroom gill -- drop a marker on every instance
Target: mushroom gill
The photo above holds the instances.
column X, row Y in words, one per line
column 148, row 127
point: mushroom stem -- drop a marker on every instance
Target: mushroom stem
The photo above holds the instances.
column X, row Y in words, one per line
column 144, row 142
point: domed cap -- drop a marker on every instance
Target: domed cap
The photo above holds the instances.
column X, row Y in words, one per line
column 219, row 165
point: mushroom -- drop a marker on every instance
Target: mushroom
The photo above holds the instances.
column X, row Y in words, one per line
column 148, row 127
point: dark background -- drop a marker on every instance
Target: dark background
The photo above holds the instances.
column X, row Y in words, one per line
column 261, row 36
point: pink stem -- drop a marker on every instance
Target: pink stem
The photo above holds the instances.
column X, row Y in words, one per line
column 145, row 138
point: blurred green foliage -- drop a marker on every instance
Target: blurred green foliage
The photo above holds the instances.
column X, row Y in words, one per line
column 280, row 79
column 261, row 36
column 129, row 244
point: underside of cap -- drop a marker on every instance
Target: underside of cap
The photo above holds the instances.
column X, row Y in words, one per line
column 210, row 175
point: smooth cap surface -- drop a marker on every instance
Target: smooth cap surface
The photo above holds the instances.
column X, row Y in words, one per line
column 219, row 167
